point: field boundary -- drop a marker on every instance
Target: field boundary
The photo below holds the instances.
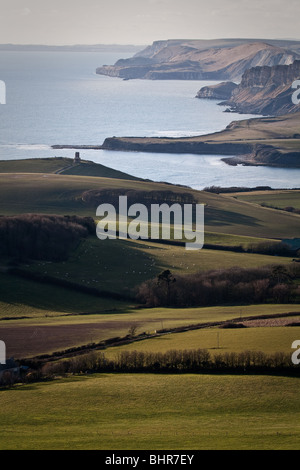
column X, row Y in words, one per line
column 130, row 339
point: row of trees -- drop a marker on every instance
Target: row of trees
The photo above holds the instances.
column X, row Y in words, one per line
column 111, row 196
column 42, row 237
column 223, row 286
column 235, row 189
column 198, row 360
column 286, row 209
column 172, row 361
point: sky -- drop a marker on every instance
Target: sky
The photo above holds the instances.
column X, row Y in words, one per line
column 67, row 22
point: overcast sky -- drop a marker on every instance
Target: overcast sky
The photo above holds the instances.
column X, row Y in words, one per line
column 144, row 21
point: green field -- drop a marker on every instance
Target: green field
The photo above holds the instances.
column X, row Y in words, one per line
column 62, row 194
column 25, row 298
column 61, row 165
column 57, row 331
column 140, row 412
column 121, row 265
column 279, row 199
column 219, row 341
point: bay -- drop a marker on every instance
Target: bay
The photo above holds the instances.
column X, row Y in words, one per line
column 57, row 98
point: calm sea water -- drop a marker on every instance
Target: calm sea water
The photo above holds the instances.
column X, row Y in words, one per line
column 57, row 98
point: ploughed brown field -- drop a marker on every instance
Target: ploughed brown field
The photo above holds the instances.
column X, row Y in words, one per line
column 29, row 341
column 33, row 340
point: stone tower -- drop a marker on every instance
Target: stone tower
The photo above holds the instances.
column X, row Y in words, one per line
column 77, row 158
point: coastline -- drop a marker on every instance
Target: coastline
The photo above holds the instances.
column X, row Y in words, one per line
column 264, row 141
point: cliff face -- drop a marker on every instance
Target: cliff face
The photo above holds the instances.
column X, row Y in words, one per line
column 221, row 91
column 165, row 145
column 263, row 90
column 199, row 60
column 266, row 90
column 266, row 155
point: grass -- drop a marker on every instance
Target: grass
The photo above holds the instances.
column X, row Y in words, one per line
column 24, row 298
column 219, row 341
column 53, row 193
column 62, row 194
column 280, row 199
column 153, row 412
column 34, row 165
column 226, row 239
column 55, row 332
column 61, row 165
column 121, row 265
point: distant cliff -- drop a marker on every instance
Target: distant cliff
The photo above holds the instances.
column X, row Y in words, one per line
column 221, row 91
column 263, row 90
column 201, row 60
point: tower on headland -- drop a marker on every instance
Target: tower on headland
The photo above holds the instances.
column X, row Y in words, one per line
column 77, row 158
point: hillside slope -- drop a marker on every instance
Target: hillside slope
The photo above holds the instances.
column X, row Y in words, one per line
column 62, row 166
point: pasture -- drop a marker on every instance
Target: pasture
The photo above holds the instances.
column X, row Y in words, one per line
column 121, row 265
column 280, row 199
column 141, row 412
column 62, row 194
column 218, row 341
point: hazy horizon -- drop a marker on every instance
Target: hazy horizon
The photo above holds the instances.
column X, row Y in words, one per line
column 140, row 22
column 145, row 45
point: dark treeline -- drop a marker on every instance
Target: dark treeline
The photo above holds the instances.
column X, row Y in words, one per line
column 272, row 249
column 275, row 284
column 235, row 189
column 172, row 361
column 263, row 248
column 42, row 237
column 111, row 196
column 286, row 209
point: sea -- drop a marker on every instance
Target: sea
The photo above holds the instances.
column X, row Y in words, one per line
column 56, row 97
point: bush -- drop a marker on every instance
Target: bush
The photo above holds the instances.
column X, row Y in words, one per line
column 233, row 325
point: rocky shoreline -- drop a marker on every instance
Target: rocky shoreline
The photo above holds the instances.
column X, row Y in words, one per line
column 244, row 153
column 263, row 91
